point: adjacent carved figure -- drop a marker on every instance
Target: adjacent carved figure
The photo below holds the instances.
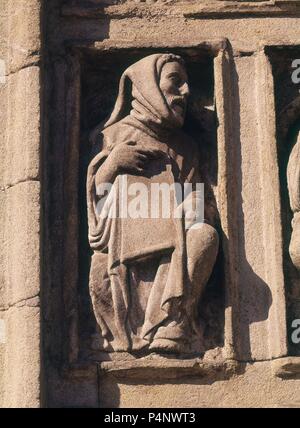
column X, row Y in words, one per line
column 293, row 174
column 147, row 274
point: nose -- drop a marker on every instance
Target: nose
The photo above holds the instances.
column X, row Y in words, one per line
column 185, row 90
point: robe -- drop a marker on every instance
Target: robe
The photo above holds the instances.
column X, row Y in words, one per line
column 110, row 289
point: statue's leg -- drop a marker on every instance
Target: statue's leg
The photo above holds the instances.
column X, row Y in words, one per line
column 202, row 248
column 202, row 245
column 109, row 305
column 100, row 290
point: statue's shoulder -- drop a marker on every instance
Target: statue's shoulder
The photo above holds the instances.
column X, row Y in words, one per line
column 117, row 133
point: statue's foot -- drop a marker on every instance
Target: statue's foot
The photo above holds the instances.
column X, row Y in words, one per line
column 170, row 338
column 139, row 344
column 167, row 346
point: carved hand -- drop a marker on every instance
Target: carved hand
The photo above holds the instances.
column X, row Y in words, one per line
column 132, row 157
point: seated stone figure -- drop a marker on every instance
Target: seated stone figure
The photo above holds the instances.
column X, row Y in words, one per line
column 294, row 193
column 148, row 275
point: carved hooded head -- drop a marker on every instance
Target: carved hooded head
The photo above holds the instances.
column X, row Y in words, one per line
column 159, row 91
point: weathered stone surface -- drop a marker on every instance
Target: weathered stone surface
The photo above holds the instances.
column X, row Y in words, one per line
column 192, row 9
column 4, row 28
column 19, row 304
column 245, row 36
column 24, row 34
column 21, row 355
column 254, row 387
column 20, row 91
column 168, row 369
column 20, row 117
column 73, row 391
column 21, row 242
column 287, row 368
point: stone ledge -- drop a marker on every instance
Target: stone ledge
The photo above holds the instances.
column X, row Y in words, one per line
column 245, row 10
column 168, row 369
column 163, row 369
column 210, row 47
column 193, row 10
column 287, row 368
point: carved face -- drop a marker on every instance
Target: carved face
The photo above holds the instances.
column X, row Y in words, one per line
column 174, row 86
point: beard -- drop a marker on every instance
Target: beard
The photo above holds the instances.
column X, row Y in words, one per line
column 177, row 105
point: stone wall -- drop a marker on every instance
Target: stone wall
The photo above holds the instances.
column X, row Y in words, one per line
column 20, row 114
column 51, row 99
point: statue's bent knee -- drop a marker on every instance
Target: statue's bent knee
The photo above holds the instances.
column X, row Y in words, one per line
column 295, row 242
column 202, row 241
column 202, row 249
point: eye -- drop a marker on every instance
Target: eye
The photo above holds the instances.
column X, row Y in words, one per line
column 175, row 79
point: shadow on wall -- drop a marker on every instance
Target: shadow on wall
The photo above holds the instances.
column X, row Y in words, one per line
column 254, row 295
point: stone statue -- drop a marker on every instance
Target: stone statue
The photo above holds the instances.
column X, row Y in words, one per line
column 148, row 274
column 293, row 174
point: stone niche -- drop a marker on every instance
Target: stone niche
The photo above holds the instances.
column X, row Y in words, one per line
column 90, row 79
column 235, row 318
column 100, row 74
